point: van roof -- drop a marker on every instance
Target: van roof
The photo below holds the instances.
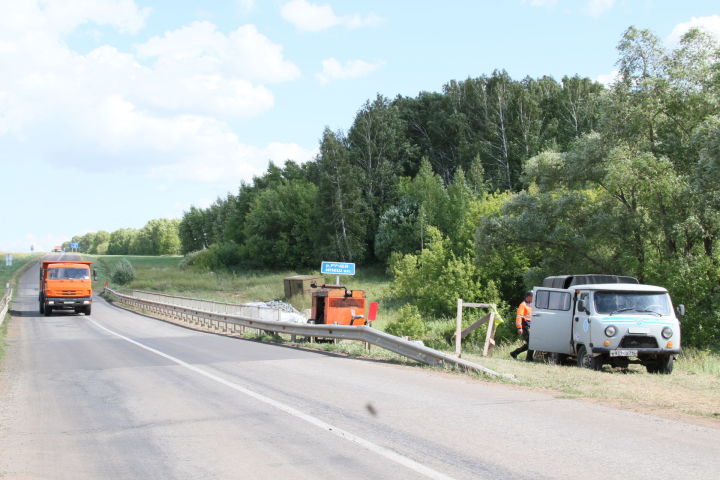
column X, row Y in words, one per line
column 566, row 281
column 620, row 287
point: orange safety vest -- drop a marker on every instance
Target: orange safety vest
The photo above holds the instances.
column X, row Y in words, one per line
column 524, row 313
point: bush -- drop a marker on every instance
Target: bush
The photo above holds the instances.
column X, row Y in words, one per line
column 227, row 254
column 409, row 324
column 200, row 260
column 216, row 257
column 435, row 278
column 123, row 273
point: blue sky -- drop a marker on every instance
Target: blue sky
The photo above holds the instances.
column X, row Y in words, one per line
column 114, row 112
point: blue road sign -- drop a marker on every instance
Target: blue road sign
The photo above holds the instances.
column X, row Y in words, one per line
column 337, row 268
column 73, row 245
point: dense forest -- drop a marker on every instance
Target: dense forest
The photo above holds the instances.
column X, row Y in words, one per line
column 484, row 188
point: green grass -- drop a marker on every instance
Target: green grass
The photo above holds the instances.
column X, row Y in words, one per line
column 164, row 274
column 9, row 275
column 19, row 261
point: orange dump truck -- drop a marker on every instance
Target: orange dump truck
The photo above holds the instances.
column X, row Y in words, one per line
column 334, row 304
column 65, row 285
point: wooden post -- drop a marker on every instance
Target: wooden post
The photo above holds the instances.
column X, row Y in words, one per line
column 490, row 335
column 458, row 329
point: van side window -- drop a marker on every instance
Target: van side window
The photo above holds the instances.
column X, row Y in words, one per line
column 559, row 301
column 552, row 300
column 541, row 299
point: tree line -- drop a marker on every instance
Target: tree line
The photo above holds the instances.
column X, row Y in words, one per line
column 339, row 205
column 157, row 237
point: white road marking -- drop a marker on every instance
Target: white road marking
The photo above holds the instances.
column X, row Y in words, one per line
column 382, row 451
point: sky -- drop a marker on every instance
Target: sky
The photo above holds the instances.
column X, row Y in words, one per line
column 115, row 112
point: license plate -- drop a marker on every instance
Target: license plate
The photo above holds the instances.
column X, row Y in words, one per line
column 623, row 353
column 70, row 303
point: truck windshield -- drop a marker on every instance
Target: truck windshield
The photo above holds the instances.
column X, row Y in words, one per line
column 68, row 273
column 631, row 302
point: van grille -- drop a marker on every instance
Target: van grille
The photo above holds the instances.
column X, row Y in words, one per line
column 638, row 341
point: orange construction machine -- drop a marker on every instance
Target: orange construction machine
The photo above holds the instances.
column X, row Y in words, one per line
column 335, row 304
column 65, row 285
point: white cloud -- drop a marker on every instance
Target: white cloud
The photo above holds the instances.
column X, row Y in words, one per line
column 161, row 108
column 608, row 79
column 710, row 24
column 200, row 47
column 332, row 69
column 66, row 15
column 311, row 17
column 596, row 8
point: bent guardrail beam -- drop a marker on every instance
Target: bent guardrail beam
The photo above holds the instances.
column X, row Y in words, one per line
column 370, row 335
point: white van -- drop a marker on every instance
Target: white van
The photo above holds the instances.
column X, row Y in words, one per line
column 605, row 319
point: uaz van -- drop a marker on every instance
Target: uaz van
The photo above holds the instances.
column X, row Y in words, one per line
column 605, row 319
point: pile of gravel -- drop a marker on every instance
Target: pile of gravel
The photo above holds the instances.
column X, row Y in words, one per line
column 282, row 306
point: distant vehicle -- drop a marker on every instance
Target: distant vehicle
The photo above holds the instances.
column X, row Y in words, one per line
column 57, row 249
column 65, row 285
column 605, row 319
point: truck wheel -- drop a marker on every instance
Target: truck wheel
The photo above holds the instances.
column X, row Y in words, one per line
column 87, row 310
column 47, row 311
column 587, row 361
column 42, row 306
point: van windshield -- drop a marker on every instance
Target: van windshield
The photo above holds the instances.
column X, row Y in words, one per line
column 632, row 302
column 67, row 273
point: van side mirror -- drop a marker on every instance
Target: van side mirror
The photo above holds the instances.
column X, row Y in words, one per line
column 680, row 310
column 581, row 306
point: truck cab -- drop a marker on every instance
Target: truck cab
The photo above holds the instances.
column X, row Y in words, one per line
column 605, row 319
column 65, row 285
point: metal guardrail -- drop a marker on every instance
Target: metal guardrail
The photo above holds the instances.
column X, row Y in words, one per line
column 205, row 318
column 5, row 304
column 253, row 311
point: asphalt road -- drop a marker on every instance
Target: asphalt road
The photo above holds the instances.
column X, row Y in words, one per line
column 120, row 396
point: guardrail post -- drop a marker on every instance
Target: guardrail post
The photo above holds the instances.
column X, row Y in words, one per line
column 458, row 329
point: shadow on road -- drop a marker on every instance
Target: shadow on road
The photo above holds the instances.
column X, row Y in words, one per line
column 20, row 313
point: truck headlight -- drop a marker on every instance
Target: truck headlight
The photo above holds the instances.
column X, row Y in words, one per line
column 610, row 331
column 86, row 302
column 50, row 302
column 667, row 332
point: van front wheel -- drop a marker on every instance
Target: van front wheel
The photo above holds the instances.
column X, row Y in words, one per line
column 584, row 360
column 663, row 365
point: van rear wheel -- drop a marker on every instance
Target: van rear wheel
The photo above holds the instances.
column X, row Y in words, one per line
column 585, row 360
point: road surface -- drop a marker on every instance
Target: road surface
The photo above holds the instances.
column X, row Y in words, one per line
column 120, row 396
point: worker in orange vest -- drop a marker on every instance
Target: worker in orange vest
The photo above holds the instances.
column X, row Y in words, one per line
column 522, row 324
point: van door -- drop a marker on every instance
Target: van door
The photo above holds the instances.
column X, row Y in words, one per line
column 551, row 328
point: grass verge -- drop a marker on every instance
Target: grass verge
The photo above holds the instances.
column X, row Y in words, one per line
column 19, row 261
column 10, row 275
